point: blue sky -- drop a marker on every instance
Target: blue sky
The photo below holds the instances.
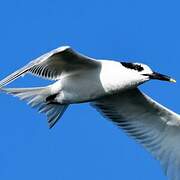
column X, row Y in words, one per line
column 83, row 145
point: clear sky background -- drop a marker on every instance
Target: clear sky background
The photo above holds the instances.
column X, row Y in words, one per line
column 83, row 145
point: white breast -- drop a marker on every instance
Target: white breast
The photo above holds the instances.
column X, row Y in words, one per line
column 81, row 87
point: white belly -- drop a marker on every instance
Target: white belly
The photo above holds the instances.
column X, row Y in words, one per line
column 82, row 87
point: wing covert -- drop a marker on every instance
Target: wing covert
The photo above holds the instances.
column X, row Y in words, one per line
column 61, row 60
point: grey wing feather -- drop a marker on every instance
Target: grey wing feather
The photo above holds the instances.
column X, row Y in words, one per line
column 152, row 125
column 51, row 65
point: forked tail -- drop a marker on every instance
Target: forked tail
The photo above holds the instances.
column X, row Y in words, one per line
column 38, row 98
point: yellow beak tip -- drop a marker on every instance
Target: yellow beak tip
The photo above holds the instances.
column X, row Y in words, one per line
column 173, row 80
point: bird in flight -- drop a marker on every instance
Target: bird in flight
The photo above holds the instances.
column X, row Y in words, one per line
column 112, row 88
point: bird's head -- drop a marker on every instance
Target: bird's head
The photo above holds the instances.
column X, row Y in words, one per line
column 145, row 73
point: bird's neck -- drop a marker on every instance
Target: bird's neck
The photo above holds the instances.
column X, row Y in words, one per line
column 114, row 77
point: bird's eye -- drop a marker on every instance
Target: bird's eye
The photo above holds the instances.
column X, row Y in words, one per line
column 136, row 67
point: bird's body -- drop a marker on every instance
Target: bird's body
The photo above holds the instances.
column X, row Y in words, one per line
column 110, row 87
column 88, row 85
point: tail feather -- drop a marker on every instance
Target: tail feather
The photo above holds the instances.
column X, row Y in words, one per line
column 55, row 113
column 36, row 98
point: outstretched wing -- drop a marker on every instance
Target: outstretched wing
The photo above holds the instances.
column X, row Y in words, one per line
column 52, row 65
column 152, row 125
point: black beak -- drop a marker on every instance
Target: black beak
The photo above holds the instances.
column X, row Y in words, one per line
column 161, row 77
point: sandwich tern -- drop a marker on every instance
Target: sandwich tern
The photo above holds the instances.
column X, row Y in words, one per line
column 112, row 88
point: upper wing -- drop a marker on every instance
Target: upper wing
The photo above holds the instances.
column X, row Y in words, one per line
column 152, row 125
column 52, row 65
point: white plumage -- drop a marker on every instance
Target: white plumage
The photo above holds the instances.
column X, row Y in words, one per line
column 110, row 87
